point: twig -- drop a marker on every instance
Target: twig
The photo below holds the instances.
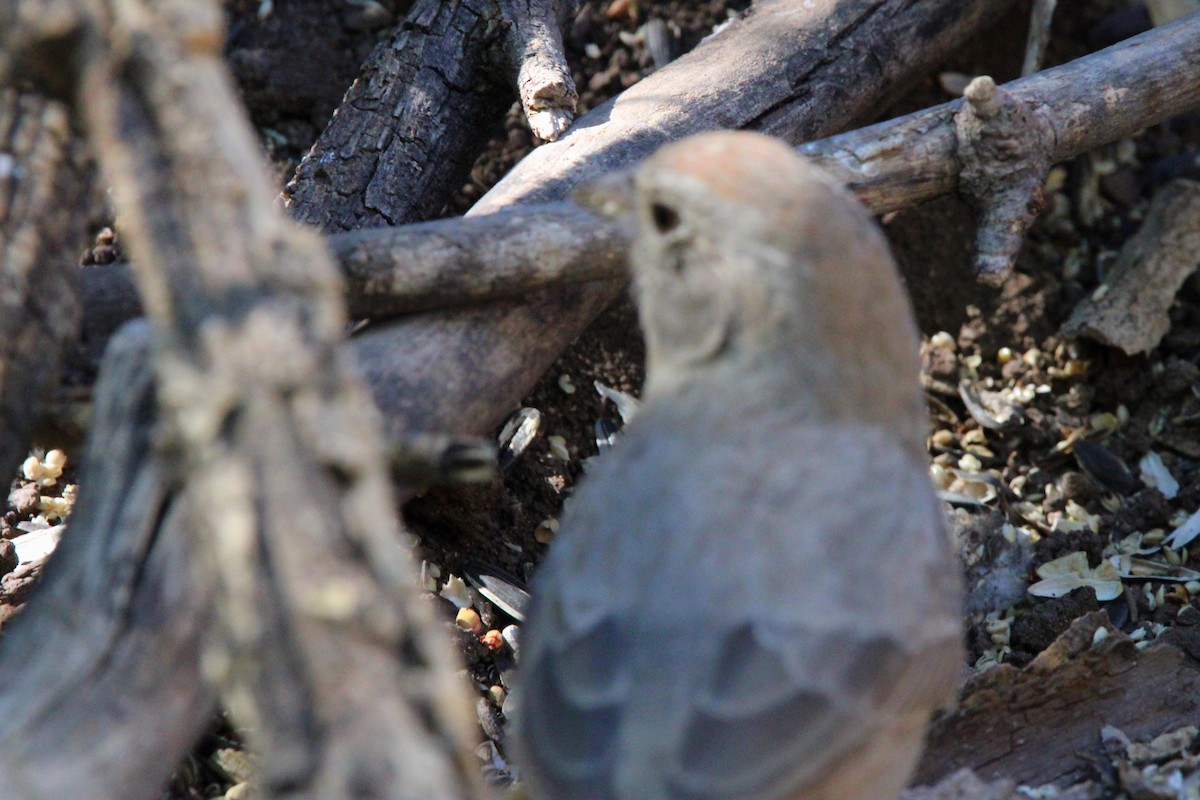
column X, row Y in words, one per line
column 536, row 56
column 1089, row 102
column 1040, row 19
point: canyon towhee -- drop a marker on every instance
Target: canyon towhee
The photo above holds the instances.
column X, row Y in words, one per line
column 753, row 595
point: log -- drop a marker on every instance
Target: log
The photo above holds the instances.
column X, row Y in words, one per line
column 785, row 68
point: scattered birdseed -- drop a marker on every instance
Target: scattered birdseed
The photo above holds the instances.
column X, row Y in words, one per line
column 558, row 448
column 564, row 383
column 456, row 591
column 493, row 640
column 544, row 533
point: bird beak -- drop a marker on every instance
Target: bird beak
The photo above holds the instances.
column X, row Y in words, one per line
column 610, row 196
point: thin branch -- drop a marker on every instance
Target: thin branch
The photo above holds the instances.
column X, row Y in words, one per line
column 1088, row 102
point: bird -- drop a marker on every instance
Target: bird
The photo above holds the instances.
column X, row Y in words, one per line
column 753, row 595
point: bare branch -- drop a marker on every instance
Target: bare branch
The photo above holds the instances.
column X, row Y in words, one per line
column 778, row 69
column 1086, row 103
column 543, row 76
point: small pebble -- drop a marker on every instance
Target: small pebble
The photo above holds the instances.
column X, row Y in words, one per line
column 564, row 383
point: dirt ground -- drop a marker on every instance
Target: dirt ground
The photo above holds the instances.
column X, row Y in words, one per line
column 1023, row 493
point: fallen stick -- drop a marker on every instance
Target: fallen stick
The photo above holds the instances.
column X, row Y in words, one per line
column 1071, row 109
column 785, row 68
column 1129, row 310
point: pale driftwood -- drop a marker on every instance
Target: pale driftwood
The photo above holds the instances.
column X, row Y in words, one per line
column 1130, row 309
column 100, row 685
column 318, row 642
column 784, row 69
column 536, row 57
column 1042, row 724
column 42, row 188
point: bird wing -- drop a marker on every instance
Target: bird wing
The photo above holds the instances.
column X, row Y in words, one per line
column 684, row 660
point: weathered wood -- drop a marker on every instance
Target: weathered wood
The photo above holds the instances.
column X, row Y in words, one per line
column 786, row 68
column 536, row 58
column 334, row 665
column 429, row 265
column 100, row 685
column 424, row 266
column 42, row 190
column 410, row 127
column 1087, row 103
column 1130, row 309
column 1042, row 724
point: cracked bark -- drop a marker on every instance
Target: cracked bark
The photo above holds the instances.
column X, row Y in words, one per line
column 410, row 127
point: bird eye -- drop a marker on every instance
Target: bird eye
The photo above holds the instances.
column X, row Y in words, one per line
column 666, row 219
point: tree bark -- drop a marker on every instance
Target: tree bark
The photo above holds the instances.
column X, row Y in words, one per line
column 1042, row 724
column 410, row 127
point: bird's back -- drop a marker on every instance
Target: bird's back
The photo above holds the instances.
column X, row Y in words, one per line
column 734, row 606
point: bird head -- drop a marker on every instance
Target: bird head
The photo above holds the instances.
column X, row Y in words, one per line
column 745, row 253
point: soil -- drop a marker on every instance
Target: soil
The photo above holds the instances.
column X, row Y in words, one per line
column 1037, row 498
